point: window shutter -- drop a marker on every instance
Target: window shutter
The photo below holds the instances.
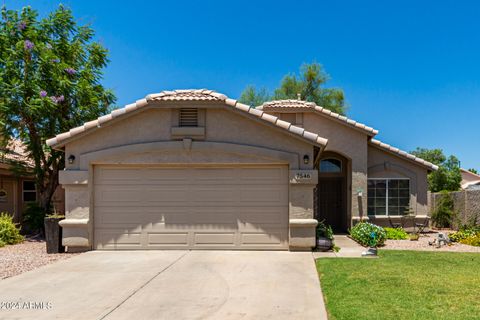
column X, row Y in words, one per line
column 188, row 117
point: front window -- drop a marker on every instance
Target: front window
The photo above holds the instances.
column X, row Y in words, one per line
column 388, row 197
column 330, row 165
column 29, row 191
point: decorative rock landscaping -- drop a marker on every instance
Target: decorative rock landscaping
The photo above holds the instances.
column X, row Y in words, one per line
column 26, row 256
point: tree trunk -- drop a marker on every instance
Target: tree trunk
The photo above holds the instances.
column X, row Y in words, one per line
column 47, row 190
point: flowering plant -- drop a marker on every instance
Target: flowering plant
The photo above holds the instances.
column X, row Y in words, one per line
column 368, row 234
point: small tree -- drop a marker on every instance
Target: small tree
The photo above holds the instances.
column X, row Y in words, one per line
column 443, row 214
column 309, row 85
column 50, row 72
column 448, row 176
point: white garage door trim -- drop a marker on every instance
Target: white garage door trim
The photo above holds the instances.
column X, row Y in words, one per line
column 194, row 207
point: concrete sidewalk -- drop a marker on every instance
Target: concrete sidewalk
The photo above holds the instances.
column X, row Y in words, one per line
column 348, row 249
column 169, row 285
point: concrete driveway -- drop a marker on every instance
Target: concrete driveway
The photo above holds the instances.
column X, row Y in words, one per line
column 168, row 285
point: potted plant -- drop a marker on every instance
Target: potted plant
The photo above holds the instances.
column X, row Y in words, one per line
column 372, row 245
column 53, row 233
column 324, row 235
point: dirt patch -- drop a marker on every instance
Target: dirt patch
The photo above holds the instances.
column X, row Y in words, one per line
column 26, row 256
column 422, row 244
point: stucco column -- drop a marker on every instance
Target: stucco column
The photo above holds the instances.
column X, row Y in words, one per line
column 76, row 226
column 301, row 222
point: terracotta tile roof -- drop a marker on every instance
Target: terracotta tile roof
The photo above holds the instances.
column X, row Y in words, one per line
column 15, row 151
column 402, row 153
column 299, row 105
column 189, row 95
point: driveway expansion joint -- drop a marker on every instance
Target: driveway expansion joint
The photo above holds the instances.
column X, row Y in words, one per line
column 144, row 285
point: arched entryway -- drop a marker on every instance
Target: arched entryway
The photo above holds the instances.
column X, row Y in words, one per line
column 331, row 191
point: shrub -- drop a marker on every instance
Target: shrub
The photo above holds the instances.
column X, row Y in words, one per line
column 472, row 240
column 464, row 234
column 2, row 244
column 442, row 214
column 396, row 234
column 33, row 218
column 368, row 234
column 9, row 233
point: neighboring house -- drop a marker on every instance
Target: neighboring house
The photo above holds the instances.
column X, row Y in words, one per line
column 470, row 180
column 17, row 186
column 193, row 169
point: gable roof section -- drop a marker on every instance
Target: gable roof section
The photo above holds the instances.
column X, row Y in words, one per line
column 299, row 105
column 404, row 154
column 188, row 95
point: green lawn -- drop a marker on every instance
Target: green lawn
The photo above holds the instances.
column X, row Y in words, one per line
column 402, row 285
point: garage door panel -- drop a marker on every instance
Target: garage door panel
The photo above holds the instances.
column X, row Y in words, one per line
column 118, row 239
column 160, row 238
column 211, row 238
column 196, row 208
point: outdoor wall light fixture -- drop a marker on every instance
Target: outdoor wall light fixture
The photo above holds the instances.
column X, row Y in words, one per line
column 71, row 158
column 306, row 159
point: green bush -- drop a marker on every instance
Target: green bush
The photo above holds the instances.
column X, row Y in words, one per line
column 33, row 218
column 396, row 234
column 2, row 244
column 9, row 233
column 368, row 234
column 443, row 214
column 464, row 234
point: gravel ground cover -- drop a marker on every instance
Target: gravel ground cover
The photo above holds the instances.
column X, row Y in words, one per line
column 26, row 256
column 422, row 244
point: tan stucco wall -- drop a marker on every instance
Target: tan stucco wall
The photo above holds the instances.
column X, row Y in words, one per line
column 145, row 137
column 382, row 164
column 350, row 143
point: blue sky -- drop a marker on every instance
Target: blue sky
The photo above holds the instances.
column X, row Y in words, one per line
column 410, row 69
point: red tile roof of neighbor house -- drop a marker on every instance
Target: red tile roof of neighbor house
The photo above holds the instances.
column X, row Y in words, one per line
column 259, row 112
column 190, row 95
column 15, row 151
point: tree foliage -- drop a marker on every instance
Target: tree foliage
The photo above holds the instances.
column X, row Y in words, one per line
column 472, row 170
column 50, row 72
column 254, row 97
column 448, row 176
column 309, row 84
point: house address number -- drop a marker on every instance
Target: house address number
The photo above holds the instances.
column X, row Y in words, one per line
column 303, row 176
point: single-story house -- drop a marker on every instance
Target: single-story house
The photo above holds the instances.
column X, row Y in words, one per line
column 17, row 182
column 194, row 169
column 470, row 180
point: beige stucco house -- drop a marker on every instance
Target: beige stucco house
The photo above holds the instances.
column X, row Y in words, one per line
column 470, row 180
column 193, row 169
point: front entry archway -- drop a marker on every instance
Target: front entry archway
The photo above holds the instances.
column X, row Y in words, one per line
column 331, row 191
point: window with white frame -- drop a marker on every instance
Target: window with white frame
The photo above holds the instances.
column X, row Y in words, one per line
column 388, row 197
column 29, row 191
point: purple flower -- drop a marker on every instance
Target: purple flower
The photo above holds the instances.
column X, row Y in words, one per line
column 57, row 99
column 28, row 45
column 56, row 60
column 43, row 93
column 70, row 71
column 22, row 25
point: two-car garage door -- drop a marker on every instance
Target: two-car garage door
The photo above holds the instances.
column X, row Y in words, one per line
column 191, row 207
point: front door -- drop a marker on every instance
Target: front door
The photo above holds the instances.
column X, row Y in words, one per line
column 331, row 202
column 331, row 192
